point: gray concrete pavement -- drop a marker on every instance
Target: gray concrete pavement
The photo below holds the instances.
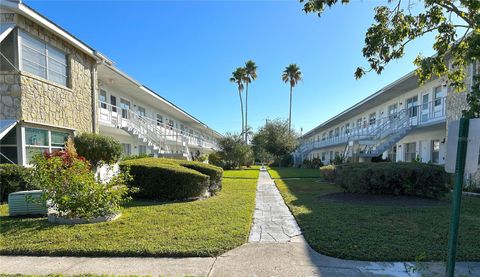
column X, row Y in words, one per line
column 276, row 248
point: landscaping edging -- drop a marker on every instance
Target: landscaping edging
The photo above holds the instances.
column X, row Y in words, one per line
column 55, row 219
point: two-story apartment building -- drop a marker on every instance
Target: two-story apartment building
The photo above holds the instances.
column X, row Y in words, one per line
column 52, row 85
column 401, row 122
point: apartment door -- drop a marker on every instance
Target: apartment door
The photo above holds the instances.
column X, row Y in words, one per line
column 102, row 97
column 425, row 113
column 412, row 109
column 125, row 106
column 439, row 102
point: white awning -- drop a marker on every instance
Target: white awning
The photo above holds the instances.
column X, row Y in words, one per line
column 5, row 29
column 6, row 125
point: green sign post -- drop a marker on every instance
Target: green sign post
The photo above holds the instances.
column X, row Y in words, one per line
column 457, row 194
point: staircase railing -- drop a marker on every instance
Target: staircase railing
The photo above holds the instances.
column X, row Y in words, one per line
column 417, row 115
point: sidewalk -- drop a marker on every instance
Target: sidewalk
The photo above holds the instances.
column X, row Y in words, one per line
column 276, row 248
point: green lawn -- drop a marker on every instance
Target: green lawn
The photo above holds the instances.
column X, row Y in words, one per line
column 198, row 228
column 245, row 173
column 288, row 172
column 380, row 233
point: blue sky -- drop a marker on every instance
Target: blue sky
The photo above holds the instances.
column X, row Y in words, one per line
column 187, row 50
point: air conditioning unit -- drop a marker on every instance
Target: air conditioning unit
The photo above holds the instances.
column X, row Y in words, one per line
column 26, row 203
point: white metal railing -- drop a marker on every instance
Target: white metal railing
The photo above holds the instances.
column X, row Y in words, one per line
column 423, row 114
column 155, row 130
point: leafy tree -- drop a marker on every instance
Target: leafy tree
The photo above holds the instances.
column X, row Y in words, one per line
column 275, row 139
column 250, row 75
column 238, row 77
column 292, row 75
column 456, row 22
column 233, row 153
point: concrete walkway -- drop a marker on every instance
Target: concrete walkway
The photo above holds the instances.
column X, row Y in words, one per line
column 272, row 220
column 276, row 248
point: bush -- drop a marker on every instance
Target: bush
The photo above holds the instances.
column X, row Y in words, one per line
column 70, row 186
column 313, row 163
column 215, row 159
column 328, row 172
column 165, row 179
column 13, row 178
column 416, row 179
column 139, row 156
column 96, row 148
column 214, row 172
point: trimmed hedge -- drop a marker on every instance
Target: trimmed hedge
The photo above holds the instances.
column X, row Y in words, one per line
column 165, row 179
column 13, row 178
column 214, row 172
column 328, row 172
column 415, row 179
column 97, row 147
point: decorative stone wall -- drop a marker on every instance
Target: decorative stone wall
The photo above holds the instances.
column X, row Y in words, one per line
column 27, row 97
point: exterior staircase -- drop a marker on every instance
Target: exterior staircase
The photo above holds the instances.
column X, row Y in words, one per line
column 148, row 132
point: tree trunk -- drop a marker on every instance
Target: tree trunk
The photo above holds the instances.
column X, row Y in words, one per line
column 246, row 113
column 241, row 108
column 290, row 113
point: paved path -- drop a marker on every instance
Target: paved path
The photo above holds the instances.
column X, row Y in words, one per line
column 276, row 248
column 272, row 220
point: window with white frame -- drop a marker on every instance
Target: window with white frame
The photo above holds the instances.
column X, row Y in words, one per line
column 337, row 132
column 113, row 102
column 410, row 151
column 323, row 156
column 43, row 60
column 142, row 149
column 42, row 140
column 324, row 136
column 437, row 93
column 330, row 134
column 372, row 118
column 347, row 128
column 159, row 119
column 359, row 123
column 141, row 111
column 435, row 151
column 103, row 99
column 126, row 149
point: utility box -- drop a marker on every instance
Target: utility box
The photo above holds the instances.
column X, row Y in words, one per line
column 26, row 203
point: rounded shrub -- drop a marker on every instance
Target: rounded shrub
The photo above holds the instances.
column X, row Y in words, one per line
column 96, row 148
column 13, row 178
column 165, row 179
column 328, row 172
column 214, row 172
column 415, row 179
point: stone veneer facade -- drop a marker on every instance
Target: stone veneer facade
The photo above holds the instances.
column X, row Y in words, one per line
column 27, row 97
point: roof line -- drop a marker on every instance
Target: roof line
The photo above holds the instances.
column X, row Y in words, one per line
column 363, row 101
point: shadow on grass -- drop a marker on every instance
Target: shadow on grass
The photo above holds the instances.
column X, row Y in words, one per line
column 365, row 231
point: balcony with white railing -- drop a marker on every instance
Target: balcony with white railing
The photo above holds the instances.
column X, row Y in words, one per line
column 412, row 117
column 156, row 131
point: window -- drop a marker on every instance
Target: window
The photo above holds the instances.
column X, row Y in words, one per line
column 438, row 96
column 7, row 48
column 435, row 151
column 43, row 60
column 425, row 100
column 330, row 134
column 103, row 99
column 410, row 151
column 159, row 119
column 8, row 147
column 141, row 111
column 412, row 106
column 142, row 149
column 323, row 156
column 372, row 118
column 392, row 111
column 41, row 140
column 125, row 106
column 324, row 136
column 392, row 154
column 113, row 102
column 126, row 149
column 182, row 128
column 337, row 132
column 347, row 128
column 359, row 123
column 170, row 123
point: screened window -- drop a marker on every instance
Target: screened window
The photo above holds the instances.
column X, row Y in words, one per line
column 159, row 120
column 41, row 140
column 438, row 96
column 8, row 147
column 43, row 60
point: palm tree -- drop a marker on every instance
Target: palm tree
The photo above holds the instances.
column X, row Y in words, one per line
column 251, row 75
column 292, row 75
column 238, row 77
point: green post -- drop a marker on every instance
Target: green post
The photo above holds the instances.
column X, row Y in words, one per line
column 457, row 194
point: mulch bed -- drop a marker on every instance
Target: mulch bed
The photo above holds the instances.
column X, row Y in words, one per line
column 381, row 200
